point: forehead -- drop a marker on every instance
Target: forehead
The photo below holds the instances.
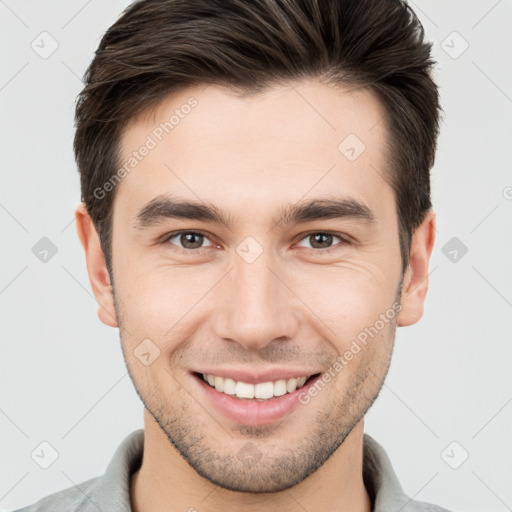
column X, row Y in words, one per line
column 305, row 139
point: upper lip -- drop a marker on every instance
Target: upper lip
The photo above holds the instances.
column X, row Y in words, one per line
column 255, row 377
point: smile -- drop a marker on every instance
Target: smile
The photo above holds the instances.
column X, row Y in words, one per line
column 260, row 391
column 259, row 403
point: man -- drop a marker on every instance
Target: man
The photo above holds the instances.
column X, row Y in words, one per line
column 257, row 222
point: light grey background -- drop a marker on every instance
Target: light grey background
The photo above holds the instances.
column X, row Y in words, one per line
column 63, row 379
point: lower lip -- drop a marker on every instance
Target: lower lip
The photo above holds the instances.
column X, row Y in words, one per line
column 254, row 412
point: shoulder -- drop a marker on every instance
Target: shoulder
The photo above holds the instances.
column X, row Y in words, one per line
column 382, row 482
column 75, row 498
column 110, row 491
column 423, row 506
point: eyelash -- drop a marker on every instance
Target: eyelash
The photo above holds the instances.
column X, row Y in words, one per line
column 341, row 236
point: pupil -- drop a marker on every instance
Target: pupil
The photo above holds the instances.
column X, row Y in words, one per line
column 187, row 238
column 323, row 236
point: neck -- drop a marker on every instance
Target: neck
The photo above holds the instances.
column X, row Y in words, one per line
column 166, row 482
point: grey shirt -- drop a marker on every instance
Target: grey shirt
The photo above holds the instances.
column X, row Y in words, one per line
column 111, row 491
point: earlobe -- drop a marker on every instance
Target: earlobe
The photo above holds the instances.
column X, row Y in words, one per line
column 96, row 266
column 415, row 282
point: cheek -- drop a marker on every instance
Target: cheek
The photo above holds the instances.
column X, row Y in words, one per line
column 363, row 360
column 347, row 299
column 155, row 301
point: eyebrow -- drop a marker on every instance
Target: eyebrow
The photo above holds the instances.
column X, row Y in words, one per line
column 165, row 207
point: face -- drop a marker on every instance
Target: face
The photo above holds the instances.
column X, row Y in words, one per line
column 290, row 254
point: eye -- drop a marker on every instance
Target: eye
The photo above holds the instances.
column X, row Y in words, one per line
column 194, row 240
column 189, row 240
column 323, row 240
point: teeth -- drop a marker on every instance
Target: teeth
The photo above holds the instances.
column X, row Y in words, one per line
column 244, row 390
column 264, row 390
column 301, row 381
column 280, row 387
column 229, row 386
column 260, row 391
column 291, row 385
column 219, row 383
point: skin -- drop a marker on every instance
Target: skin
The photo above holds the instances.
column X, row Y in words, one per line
column 292, row 307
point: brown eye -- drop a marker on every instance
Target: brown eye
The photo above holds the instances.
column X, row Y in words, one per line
column 322, row 240
column 189, row 240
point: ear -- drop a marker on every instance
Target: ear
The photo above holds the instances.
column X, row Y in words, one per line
column 415, row 282
column 96, row 266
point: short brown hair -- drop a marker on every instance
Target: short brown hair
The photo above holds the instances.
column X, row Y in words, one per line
column 158, row 46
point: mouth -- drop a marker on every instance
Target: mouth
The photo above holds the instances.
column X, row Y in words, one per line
column 252, row 404
column 261, row 391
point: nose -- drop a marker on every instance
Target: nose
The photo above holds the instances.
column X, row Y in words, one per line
column 257, row 306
